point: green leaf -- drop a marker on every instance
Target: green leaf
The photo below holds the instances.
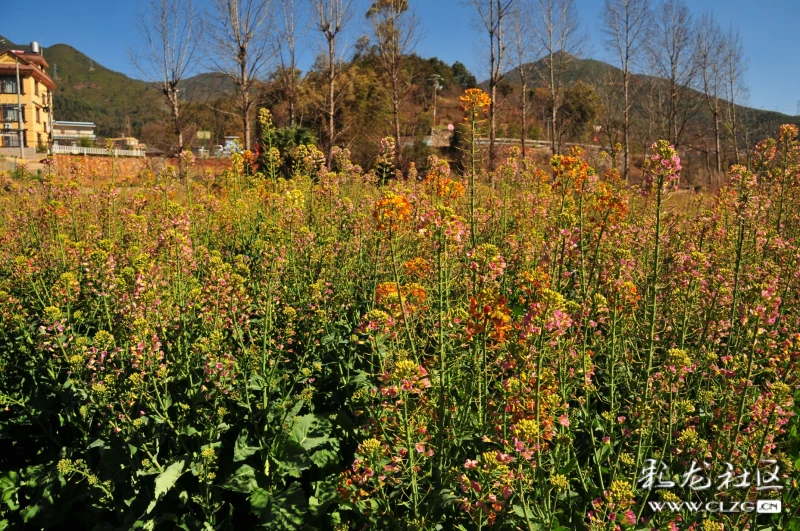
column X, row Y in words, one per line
column 306, row 427
column 259, row 499
column 9, row 485
column 290, row 457
column 358, row 379
column 256, row 383
column 243, row 480
column 323, row 458
column 166, row 480
column 97, row 443
column 520, row 511
column 324, row 494
column 286, row 511
column 569, row 467
column 605, row 451
column 30, row 512
column 312, row 434
column 241, row 450
column 295, row 410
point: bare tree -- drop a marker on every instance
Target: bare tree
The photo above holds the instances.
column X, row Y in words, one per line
column 611, row 113
column 735, row 92
column 557, row 32
column 169, row 30
column 625, row 24
column 524, row 49
column 396, row 32
column 238, row 46
column 649, row 101
column 287, row 53
column 492, row 18
column 330, row 19
column 671, row 52
column 710, row 56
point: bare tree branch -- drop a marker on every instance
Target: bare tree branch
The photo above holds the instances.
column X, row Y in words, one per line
column 396, row 31
column 330, row 18
column 671, row 51
column 238, row 45
column 625, row 24
column 170, row 30
column 559, row 38
column 492, row 17
column 525, row 49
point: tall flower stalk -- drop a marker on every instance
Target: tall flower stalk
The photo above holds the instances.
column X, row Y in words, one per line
column 663, row 171
column 475, row 103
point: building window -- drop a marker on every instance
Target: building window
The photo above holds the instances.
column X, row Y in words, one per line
column 8, row 85
column 8, row 113
column 35, row 87
column 38, row 116
column 10, row 140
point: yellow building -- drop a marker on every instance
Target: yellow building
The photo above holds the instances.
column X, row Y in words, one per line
column 35, row 96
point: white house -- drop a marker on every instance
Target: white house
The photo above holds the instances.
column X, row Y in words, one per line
column 71, row 133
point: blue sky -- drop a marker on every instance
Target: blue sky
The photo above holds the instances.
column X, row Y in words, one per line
column 104, row 30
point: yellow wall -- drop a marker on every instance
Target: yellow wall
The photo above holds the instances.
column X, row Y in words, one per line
column 35, row 131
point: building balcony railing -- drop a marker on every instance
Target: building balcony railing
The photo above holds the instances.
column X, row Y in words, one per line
column 77, row 150
column 67, row 136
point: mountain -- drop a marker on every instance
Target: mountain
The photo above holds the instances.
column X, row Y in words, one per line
column 595, row 73
column 206, row 87
column 89, row 92
column 576, row 70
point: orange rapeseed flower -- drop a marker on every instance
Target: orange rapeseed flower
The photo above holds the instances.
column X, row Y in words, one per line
column 417, row 267
column 445, row 187
column 411, row 296
column 475, row 101
column 391, row 211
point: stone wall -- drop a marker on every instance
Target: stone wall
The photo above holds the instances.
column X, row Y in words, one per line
column 30, row 153
column 99, row 166
column 441, row 137
column 94, row 167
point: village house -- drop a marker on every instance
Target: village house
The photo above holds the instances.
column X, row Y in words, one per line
column 74, row 134
column 32, row 95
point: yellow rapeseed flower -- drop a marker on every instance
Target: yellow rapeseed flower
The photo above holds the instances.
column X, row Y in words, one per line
column 559, row 481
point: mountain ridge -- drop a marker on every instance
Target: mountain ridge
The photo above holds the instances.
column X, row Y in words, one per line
column 595, row 72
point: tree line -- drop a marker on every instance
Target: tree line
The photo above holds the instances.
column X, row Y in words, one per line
column 679, row 76
column 673, row 69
